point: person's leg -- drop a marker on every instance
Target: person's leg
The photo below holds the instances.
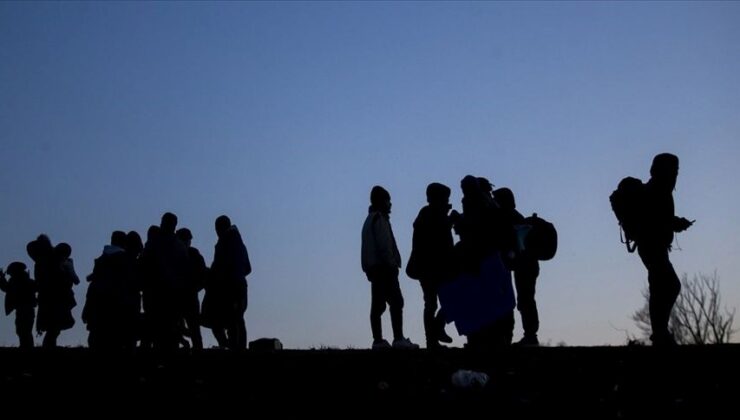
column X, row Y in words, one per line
column 525, row 280
column 241, row 334
column 192, row 321
column 664, row 287
column 242, row 322
column 429, row 290
column 193, row 327
column 220, row 334
column 377, row 307
column 440, row 322
column 24, row 328
column 50, row 339
column 236, row 329
column 395, row 301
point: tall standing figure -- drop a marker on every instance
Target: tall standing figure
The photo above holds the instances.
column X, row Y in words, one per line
column 654, row 244
column 195, row 282
column 226, row 290
column 380, row 262
column 526, row 269
column 432, row 258
column 54, row 285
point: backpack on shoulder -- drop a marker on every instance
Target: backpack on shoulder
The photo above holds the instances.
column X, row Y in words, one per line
column 541, row 240
column 627, row 202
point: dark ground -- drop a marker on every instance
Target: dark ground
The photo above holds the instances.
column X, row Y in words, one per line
column 551, row 382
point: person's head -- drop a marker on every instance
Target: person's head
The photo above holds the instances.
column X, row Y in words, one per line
column 380, row 199
column 63, row 250
column 184, row 235
column 133, row 243
column 118, row 238
column 17, row 269
column 664, row 169
column 485, row 185
column 40, row 249
column 469, row 186
column 223, row 223
column 169, row 223
column 44, row 240
column 152, row 233
column 438, row 194
column 505, row 198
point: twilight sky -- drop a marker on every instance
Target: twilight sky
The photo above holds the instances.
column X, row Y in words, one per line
column 284, row 115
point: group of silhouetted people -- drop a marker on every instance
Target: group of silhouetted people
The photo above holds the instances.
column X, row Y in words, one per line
column 487, row 226
column 139, row 294
column 147, row 294
column 490, row 228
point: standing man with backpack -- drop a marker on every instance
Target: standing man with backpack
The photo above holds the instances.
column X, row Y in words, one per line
column 658, row 225
column 526, row 269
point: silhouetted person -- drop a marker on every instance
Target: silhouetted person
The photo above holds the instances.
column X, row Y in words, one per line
column 432, row 258
column 147, row 270
column 474, row 225
column 504, row 235
column 478, row 225
column 194, row 282
column 485, row 235
column 20, row 296
column 134, row 250
column 380, row 262
column 170, row 259
column 226, row 300
column 486, row 187
column 55, row 295
column 63, row 253
column 111, row 308
column 654, row 243
column 526, row 268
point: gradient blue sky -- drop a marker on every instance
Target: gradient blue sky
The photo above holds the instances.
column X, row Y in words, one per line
column 284, row 115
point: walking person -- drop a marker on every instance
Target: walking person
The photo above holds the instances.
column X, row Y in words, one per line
column 654, row 243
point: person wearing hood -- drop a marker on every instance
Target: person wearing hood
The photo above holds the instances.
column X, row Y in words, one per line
column 226, row 298
column 111, row 308
column 654, row 244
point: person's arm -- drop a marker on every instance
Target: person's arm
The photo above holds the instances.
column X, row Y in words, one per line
column 383, row 242
column 247, row 265
column 70, row 269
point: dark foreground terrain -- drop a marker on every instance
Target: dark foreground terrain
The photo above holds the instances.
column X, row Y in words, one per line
column 551, row 382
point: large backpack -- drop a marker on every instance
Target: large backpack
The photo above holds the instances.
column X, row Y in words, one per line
column 627, row 203
column 542, row 239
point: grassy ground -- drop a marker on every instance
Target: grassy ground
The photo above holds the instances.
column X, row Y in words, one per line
column 556, row 382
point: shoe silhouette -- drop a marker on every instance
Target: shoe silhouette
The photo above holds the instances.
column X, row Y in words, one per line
column 381, row 345
column 404, row 344
column 528, row 341
column 442, row 336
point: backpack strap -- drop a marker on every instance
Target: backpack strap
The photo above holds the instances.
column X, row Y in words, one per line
column 626, row 242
